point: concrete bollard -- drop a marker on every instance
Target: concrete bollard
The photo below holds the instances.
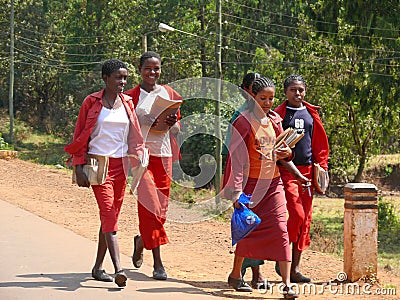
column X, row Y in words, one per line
column 360, row 230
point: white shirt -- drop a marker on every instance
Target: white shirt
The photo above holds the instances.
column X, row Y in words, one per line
column 110, row 134
column 158, row 143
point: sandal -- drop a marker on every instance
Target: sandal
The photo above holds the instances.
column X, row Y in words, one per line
column 137, row 257
column 260, row 285
column 239, row 285
column 289, row 293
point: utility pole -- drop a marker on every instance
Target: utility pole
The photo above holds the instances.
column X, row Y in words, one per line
column 218, row 73
column 144, row 42
column 11, row 88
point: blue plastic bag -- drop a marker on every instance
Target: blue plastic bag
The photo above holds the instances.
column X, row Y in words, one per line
column 244, row 220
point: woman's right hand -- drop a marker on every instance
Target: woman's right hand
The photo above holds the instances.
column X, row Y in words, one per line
column 148, row 120
column 81, row 178
column 236, row 204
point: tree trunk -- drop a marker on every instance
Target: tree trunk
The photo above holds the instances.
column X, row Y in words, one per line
column 361, row 167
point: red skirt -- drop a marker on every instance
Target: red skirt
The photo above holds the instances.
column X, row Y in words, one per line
column 269, row 240
column 153, row 194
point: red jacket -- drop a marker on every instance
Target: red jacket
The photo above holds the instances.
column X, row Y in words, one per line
column 319, row 140
column 173, row 95
column 87, row 117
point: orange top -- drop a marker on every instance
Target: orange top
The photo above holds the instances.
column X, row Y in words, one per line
column 260, row 146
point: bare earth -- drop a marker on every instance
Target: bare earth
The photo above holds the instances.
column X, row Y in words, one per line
column 198, row 254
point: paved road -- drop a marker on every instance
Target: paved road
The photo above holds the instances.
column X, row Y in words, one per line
column 42, row 260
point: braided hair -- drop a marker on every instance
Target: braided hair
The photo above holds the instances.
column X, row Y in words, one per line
column 258, row 85
column 110, row 65
column 149, row 54
column 291, row 78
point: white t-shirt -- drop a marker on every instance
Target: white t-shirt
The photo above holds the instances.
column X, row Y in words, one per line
column 110, row 134
column 158, row 143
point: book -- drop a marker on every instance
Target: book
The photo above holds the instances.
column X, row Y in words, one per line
column 162, row 108
column 320, row 179
column 137, row 172
column 95, row 169
column 290, row 136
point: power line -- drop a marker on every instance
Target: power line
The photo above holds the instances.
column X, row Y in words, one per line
column 52, row 66
column 63, row 44
column 297, row 18
column 326, row 62
column 63, row 63
column 59, row 35
column 63, row 53
column 302, row 40
column 302, row 29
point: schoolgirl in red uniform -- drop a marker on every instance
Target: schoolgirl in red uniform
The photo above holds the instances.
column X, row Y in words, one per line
column 312, row 148
column 154, row 188
column 251, row 168
column 107, row 126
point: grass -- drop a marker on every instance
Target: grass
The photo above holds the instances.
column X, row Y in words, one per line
column 379, row 160
column 327, row 231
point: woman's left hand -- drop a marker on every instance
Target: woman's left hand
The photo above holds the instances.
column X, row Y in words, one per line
column 283, row 152
column 171, row 120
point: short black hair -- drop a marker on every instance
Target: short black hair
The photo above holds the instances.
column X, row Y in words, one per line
column 147, row 55
column 260, row 83
column 293, row 77
column 248, row 79
column 110, row 65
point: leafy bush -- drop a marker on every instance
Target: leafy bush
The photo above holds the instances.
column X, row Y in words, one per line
column 3, row 144
column 387, row 217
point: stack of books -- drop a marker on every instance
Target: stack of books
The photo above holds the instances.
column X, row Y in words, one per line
column 290, row 136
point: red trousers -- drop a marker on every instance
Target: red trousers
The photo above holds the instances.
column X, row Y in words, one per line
column 110, row 195
column 299, row 206
column 153, row 194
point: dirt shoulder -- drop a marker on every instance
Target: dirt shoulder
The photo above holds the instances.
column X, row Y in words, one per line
column 199, row 254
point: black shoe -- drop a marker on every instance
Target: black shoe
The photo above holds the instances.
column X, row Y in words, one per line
column 239, row 285
column 289, row 293
column 299, row 278
column 101, row 275
column 160, row 274
column 120, row 278
column 137, row 257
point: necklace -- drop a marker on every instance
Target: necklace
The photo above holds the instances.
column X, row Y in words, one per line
column 111, row 106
